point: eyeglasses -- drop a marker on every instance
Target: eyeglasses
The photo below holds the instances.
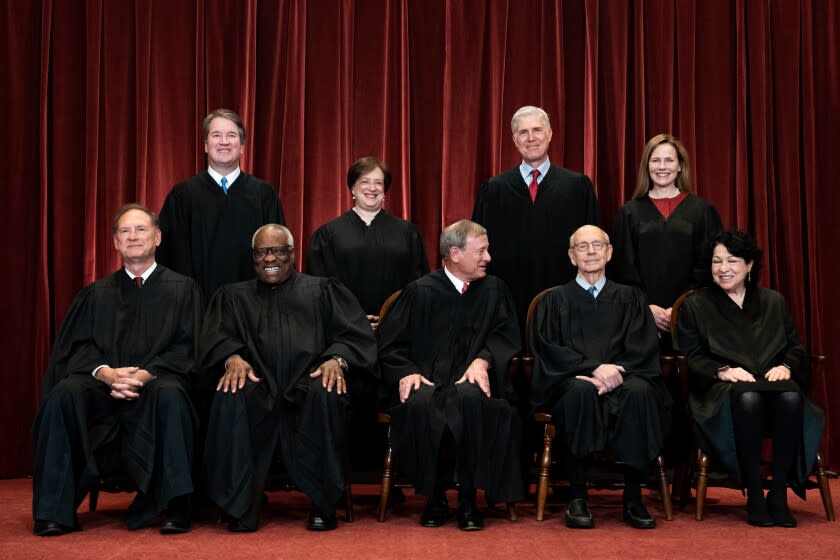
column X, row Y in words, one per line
column 583, row 247
column 279, row 252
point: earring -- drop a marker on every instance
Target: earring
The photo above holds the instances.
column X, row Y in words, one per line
column 354, row 197
column 749, row 276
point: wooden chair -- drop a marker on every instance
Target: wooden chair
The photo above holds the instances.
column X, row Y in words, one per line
column 550, row 430
column 388, row 479
column 704, row 458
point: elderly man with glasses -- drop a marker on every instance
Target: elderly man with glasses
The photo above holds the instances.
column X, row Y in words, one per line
column 276, row 351
column 596, row 369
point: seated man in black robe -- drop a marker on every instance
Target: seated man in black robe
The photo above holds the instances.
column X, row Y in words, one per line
column 276, row 349
column 116, row 392
column 445, row 347
column 596, row 369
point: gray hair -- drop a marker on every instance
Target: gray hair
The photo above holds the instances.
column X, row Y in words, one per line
column 572, row 237
column 527, row 111
column 277, row 227
column 455, row 235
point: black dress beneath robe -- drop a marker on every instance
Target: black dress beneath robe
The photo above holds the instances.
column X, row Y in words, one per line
column 150, row 439
column 434, row 330
column 662, row 256
column 374, row 260
column 206, row 234
column 572, row 334
column 284, row 332
column 529, row 240
column 713, row 332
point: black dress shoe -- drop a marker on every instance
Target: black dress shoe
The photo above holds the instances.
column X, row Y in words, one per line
column 757, row 513
column 321, row 522
column 44, row 528
column 175, row 525
column 578, row 515
column 780, row 514
column 239, row 526
column 637, row 516
column 469, row 518
column 436, row 512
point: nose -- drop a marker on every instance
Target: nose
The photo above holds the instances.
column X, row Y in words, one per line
column 590, row 249
column 487, row 257
column 270, row 257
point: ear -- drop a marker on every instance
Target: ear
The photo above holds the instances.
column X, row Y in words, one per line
column 116, row 242
column 455, row 254
column 572, row 257
column 609, row 252
column 158, row 237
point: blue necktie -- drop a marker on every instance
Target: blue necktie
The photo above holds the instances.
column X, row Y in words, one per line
column 224, row 184
column 592, row 290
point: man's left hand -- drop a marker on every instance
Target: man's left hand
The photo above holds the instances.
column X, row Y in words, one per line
column 331, row 376
column 129, row 383
column 477, row 373
column 609, row 375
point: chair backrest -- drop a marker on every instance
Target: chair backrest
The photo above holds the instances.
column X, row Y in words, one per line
column 526, row 362
column 682, row 362
column 675, row 310
column 388, row 303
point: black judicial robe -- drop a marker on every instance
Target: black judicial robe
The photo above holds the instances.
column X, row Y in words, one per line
column 712, row 331
column 207, row 234
column 434, row 330
column 373, row 261
column 529, row 241
column 113, row 322
column 663, row 257
column 285, row 332
column 572, row 334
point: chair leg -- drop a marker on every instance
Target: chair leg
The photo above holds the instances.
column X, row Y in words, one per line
column 93, row 497
column 702, row 483
column 545, row 468
column 825, row 489
column 385, row 487
column 511, row 511
column 349, row 514
column 663, row 488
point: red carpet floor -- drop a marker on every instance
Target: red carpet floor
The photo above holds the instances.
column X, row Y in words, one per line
column 723, row 534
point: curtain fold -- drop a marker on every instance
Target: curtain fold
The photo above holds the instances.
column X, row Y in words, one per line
column 106, row 101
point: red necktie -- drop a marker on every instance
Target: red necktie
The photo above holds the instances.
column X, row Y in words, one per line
column 464, row 287
column 532, row 188
column 138, row 281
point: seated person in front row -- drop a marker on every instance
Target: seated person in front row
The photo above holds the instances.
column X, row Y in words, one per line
column 277, row 349
column 116, row 390
column 596, row 369
column 445, row 347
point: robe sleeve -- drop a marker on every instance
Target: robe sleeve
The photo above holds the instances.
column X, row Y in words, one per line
column 590, row 203
column 710, row 226
column 480, row 209
column 555, row 362
column 394, row 337
column 640, row 355
column 175, row 251
column 623, row 267
column 348, row 331
column 691, row 341
column 319, row 258
column 178, row 358
column 795, row 354
column 75, row 350
column 221, row 338
column 502, row 344
column 419, row 262
column 273, row 208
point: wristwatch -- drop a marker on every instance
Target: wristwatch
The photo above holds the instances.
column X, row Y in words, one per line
column 341, row 362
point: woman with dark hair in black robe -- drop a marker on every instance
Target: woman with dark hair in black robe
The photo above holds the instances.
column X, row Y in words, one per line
column 747, row 371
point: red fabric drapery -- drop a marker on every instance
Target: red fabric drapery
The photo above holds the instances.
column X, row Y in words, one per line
column 104, row 100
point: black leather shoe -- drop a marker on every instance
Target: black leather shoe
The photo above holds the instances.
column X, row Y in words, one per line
column 239, row 526
column 175, row 525
column 44, row 528
column 780, row 514
column 469, row 518
column 321, row 522
column 637, row 516
column 757, row 513
column 436, row 512
column 578, row 515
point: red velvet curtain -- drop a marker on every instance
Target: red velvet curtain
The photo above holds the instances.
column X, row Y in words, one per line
column 104, row 101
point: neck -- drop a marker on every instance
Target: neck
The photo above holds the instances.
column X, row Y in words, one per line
column 737, row 294
column 225, row 169
column 664, row 192
column 591, row 277
column 535, row 164
column 138, row 268
column 366, row 215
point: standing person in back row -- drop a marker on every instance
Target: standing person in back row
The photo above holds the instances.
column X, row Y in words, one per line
column 207, row 221
column 531, row 211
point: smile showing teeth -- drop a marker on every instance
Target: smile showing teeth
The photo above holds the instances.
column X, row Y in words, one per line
column 272, row 268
